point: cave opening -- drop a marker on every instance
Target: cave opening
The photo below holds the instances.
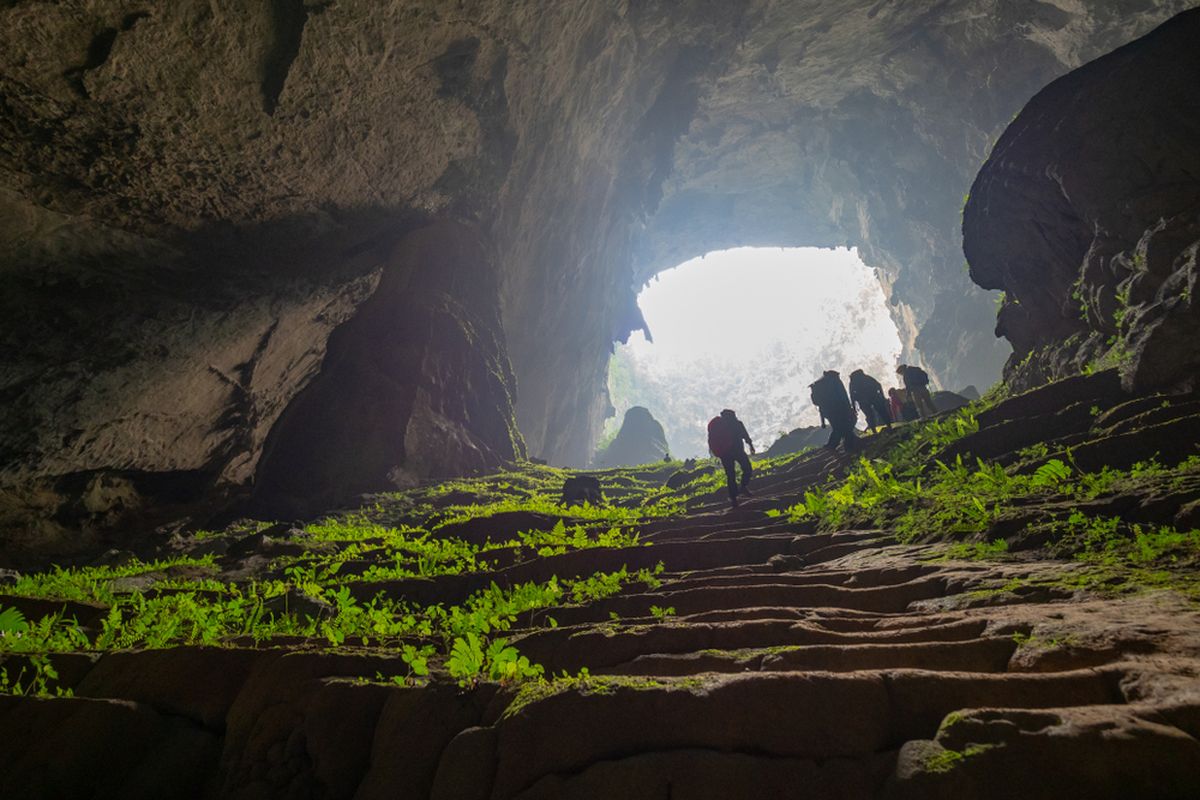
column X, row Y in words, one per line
column 750, row 328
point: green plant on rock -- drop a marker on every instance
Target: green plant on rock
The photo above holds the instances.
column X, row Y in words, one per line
column 946, row 760
column 1050, row 475
column 472, row 659
column 37, row 677
column 12, row 622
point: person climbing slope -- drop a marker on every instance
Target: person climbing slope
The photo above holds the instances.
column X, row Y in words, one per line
column 726, row 433
column 916, row 383
column 866, row 394
column 829, row 396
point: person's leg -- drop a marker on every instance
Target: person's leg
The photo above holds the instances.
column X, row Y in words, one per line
column 851, row 438
column 872, row 416
column 747, row 471
column 730, row 478
column 882, row 407
column 925, row 405
column 841, row 433
column 834, row 435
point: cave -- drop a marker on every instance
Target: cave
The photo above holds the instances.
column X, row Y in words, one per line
column 750, row 328
column 308, row 315
column 186, row 241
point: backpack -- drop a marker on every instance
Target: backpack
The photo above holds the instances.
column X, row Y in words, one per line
column 915, row 376
column 822, row 392
column 721, row 437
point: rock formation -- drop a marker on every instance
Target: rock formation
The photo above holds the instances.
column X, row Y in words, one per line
column 641, row 440
column 757, row 652
column 798, row 439
column 1087, row 215
column 196, row 196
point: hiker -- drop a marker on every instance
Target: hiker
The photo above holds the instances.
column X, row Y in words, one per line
column 725, row 436
column 901, row 407
column 916, row 383
column 867, row 394
column 829, row 396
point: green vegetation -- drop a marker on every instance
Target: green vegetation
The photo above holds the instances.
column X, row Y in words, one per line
column 585, row 683
column 661, row 613
column 1040, row 643
column 920, row 497
column 332, row 585
column 348, row 580
column 946, row 760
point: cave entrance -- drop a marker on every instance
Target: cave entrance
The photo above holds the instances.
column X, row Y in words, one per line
column 750, row 329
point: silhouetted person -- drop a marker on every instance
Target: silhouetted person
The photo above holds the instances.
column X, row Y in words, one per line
column 829, row 396
column 902, row 407
column 916, row 383
column 726, row 434
column 867, row 394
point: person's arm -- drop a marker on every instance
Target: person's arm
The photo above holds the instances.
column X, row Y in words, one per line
column 746, row 436
column 822, row 416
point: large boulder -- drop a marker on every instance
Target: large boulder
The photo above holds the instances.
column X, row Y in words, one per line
column 640, row 440
column 799, row 439
column 1087, row 215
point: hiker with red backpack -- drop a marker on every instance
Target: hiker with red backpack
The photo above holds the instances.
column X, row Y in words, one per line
column 916, row 383
column 725, row 436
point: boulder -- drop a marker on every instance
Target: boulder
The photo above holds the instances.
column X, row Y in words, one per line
column 641, row 440
column 948, row 401
column 799, row 439
column 580, row 489
column 1085, row 214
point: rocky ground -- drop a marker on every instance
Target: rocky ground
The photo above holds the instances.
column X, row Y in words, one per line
column 916, row 624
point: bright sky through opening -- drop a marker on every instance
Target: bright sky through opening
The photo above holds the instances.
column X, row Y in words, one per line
column 749, row 329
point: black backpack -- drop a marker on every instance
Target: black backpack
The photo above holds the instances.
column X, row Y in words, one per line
column 823, row 392
column 915, row 376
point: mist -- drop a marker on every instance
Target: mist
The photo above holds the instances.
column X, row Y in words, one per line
column 749, row 329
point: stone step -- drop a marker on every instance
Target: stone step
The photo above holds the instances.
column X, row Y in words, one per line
column 977, row 655
column 857, row 578
column 560, row 649
column 886, row 599
column 781, row 715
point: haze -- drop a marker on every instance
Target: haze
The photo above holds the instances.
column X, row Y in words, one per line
column 749, row 329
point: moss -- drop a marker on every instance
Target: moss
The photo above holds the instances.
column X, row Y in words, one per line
column 587, row 684
column 947, row 760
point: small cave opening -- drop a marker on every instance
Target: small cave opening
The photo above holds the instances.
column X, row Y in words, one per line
column 749, row 329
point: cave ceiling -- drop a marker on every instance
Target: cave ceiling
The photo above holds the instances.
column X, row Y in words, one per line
column 195, row 194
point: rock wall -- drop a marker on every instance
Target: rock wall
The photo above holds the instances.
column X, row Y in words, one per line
column 196, row 195
column 824, row 123
column 1087, row 215
column 409, row 387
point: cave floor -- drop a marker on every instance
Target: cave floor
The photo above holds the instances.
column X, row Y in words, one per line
column 471, row 642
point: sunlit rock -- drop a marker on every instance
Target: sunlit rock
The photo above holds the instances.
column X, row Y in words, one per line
column 640, row 440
